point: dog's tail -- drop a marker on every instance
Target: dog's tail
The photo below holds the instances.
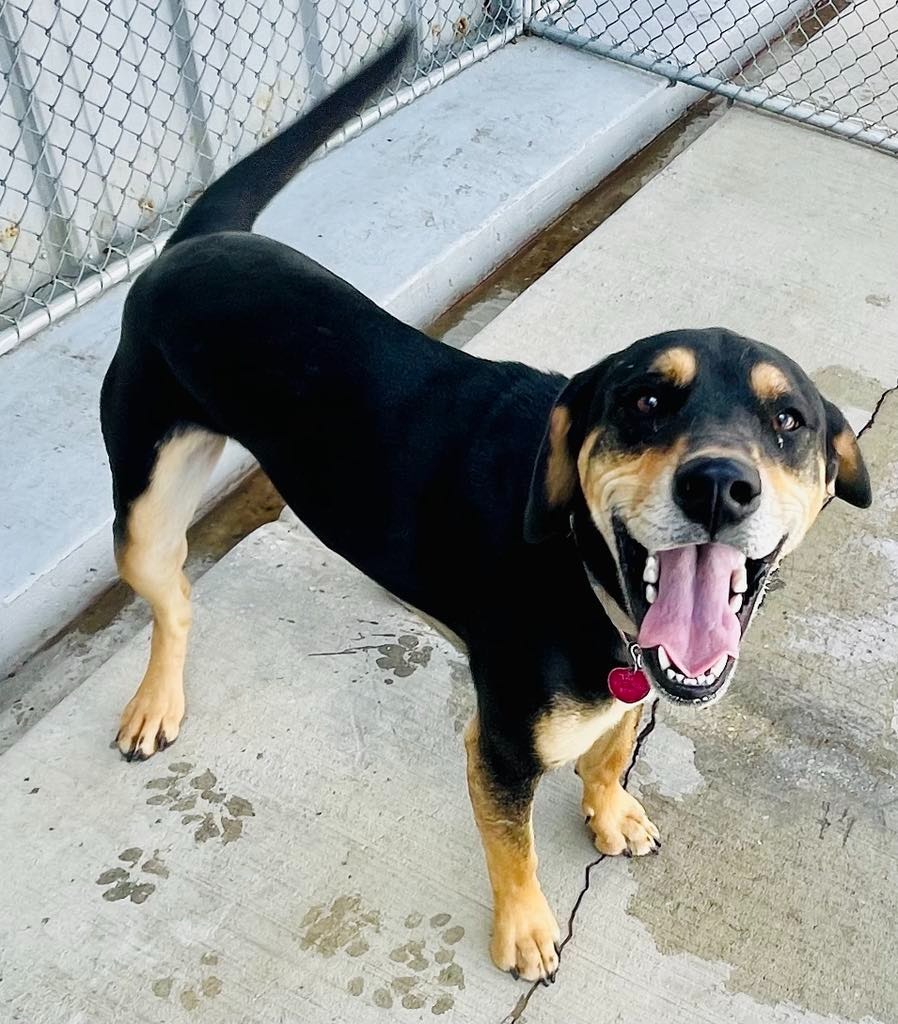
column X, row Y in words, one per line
column 238, row 197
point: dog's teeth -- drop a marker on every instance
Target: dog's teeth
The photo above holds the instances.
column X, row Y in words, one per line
column 739, row 582
column 735, row 603
column 690, row 682
column 651, row 593
column 650, row 572
column 719, row 666
column 663, row 659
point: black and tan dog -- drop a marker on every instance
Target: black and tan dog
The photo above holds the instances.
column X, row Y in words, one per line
column 541, row 519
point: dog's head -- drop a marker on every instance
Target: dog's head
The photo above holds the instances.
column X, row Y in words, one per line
column 702, row 458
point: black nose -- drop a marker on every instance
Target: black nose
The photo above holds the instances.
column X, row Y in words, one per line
column 717, row 492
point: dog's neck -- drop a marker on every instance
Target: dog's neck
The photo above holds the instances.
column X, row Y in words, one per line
column 601, row 571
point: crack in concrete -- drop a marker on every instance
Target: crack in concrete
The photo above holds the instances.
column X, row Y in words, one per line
column 883, row 398
column 880, row 402
column 517, row 1010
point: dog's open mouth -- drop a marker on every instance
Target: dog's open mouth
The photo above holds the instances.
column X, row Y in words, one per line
column 692, row 604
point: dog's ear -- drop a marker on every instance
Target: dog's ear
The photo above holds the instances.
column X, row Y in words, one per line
column 846, row 473
column 554, row 483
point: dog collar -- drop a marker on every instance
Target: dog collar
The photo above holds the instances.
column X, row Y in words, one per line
column 628, row 684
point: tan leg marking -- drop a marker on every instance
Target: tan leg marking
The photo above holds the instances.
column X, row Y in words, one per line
column 525, row 934
column 151, row 560
column 617, row 819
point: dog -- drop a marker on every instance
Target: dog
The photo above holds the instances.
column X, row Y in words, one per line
column 588, row 539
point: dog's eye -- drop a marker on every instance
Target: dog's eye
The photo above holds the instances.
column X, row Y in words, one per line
column 787, row 420
column 647, row 402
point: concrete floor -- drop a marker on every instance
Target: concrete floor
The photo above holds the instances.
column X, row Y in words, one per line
column 305, row 852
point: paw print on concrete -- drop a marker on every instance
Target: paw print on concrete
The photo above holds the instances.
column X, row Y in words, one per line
column 430, row 976
column 200, row 802
column 461, row 702
column 20, row 711
column 191, row 996
column 405, row 657
column 125, row 883
column 402, row 658
column 344, row 925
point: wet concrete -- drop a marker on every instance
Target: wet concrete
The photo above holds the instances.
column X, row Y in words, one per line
column 802, row 754
column 853, row 392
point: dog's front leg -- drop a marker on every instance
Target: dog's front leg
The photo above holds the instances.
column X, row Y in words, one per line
column 525, row 933
column 617, row 819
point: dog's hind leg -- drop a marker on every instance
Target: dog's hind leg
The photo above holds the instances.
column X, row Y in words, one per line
column 151, row 547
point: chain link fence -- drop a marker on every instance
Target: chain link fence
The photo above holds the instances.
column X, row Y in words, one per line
column 114, row 114
column 831, row 64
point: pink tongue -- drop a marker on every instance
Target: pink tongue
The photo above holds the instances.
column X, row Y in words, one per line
column 691, row 616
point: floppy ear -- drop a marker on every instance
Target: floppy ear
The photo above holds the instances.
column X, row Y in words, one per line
column 844, row 462
column 554, row 483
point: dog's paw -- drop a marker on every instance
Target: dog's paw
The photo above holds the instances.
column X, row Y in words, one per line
column 150, row 722
column 619, row 822
column 525, row 937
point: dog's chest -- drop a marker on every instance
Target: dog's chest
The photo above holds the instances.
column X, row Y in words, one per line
column 570, row 729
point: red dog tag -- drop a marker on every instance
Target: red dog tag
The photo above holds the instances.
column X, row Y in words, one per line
column 628, row 685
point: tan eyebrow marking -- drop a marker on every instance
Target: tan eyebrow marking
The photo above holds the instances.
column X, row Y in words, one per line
column 677, row 364
column 769, row 381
